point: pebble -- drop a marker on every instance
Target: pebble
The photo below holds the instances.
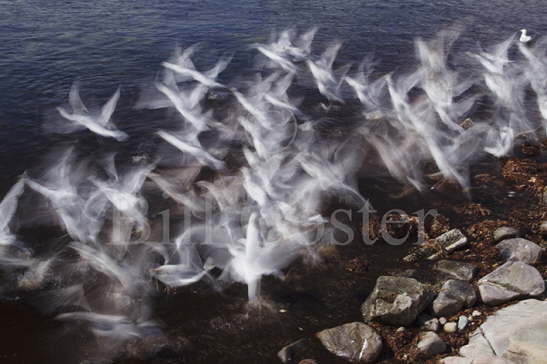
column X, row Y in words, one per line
column 450, row 327
column 505, row 232
column 401, row 329
column 543, row 228
column 442, row 320
column 476, row 313
column 462, row 323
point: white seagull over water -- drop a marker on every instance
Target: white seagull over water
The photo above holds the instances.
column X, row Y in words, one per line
column 524, row 38
column 98, row 124
column 184, row 67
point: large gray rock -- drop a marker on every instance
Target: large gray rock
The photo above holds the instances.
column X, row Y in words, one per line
column 430, row 344
column 505, row 232
column 520, row 249
column 514, row 334
column 453, row 296
column 511, row 280
column 355, row 342
column 457, row 270
column 396, row 301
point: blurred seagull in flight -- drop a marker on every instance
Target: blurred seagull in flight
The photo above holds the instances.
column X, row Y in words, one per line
column 524, row 38
column 184, row 67
column 98, row 124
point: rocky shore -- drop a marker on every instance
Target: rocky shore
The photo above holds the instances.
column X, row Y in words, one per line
column 477, row 294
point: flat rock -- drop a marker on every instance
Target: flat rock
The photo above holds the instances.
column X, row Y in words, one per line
column 355, row 342
column 514, row 334
column 511, row 280
column 505, row 232
column 457, row 270
column 453, row 296
column 395, row 301
column 520, row 249
column 430, row 344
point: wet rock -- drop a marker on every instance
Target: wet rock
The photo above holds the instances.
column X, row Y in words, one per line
column 462, row 322
column 396, row 301
column 514, row 334
column 355, row 342
column 457, row 270
column 511, row 280
column 505, row 232
column 453, row 296
column 520, row 249
column 430, row 344
column 450, row 327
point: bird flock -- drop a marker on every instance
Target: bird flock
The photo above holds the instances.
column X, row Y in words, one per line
column 251, row 177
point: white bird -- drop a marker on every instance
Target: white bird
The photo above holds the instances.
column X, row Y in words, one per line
column 187, row 105
column 323, row 74
column 124, row 193
column 98, row 124
column 208, row 78
column 111, row 326
column 524, row 38
column 197, row 152
column 7, row 210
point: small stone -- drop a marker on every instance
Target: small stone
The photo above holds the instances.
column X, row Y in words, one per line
column 457, row 270
column 429, row 323
column 520, row 249
column 355, row 342
column 400, row 329
column 543, row 228
column 467, row 123
column 544, row 195
column 462, row 322
column 450, row 327
column 476, row 313
column 505, row 232
column 453, row 296
column 307, row 361
column 442, row 320
column 430, row 344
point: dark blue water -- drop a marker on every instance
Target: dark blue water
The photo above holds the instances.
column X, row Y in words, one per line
column 45, row 46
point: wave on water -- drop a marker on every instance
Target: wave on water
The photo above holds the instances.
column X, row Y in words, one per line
column 247, row 168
